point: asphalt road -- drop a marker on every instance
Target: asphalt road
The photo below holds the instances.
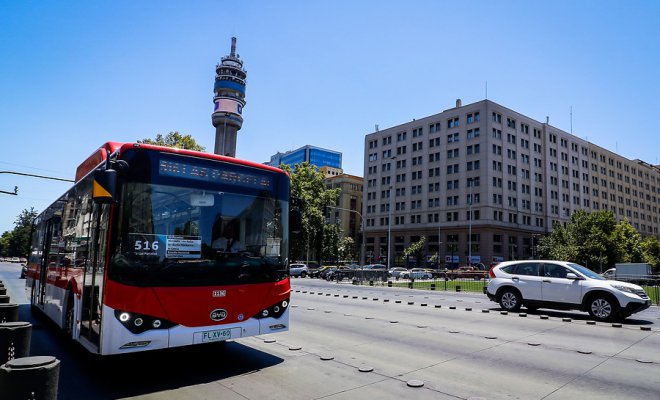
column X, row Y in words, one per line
column 349, row 342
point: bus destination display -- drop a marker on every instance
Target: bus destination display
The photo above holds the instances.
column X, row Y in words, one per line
column 204, row 173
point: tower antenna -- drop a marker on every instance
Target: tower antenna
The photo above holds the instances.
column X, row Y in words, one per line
column 229, row 100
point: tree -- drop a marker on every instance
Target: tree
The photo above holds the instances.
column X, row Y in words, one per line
column 651, row 252
column 628, row 243
column 596, row 239
column 308, row 186
column 15, row 243
column 174, row 139
column 415, row 249
column 347, row 248
column 330, row 249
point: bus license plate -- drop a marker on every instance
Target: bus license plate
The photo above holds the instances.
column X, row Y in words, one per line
column 215, row 336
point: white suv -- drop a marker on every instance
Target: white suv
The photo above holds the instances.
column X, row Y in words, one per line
column 563, row 285
column 300, row 270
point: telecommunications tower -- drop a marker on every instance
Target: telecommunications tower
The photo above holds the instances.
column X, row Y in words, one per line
column 229, row 100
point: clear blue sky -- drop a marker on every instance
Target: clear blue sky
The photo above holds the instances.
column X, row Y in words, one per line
column 75, row 74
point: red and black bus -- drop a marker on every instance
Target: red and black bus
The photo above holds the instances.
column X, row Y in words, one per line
column 156, row 247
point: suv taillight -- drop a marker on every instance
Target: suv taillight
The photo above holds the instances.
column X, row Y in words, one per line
column 491, row 273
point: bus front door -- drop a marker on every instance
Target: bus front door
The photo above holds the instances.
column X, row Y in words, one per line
column 52, row 229
column 92, row 288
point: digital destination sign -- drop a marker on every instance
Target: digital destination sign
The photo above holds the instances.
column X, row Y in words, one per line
column 199, row 172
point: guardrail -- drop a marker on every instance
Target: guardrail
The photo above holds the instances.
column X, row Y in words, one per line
column 472, row 285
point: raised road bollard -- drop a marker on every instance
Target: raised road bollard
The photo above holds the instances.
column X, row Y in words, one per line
column 14, row 340
column 8, row 312
column 30, row 378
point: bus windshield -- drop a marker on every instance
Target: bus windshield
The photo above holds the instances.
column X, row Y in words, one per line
column 170, row 235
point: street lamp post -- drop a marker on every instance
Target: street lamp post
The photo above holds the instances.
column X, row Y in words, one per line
column 389, row 230
column 470, row 224
column 362, row 252
column 389, row 220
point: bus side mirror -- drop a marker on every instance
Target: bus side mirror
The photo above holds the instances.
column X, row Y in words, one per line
column 105, row 186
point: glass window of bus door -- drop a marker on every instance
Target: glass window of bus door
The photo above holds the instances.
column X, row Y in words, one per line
column 94, row 272
column 50, row 254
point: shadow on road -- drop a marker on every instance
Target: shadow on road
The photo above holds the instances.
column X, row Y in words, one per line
column 578, row 316
column 87, row 376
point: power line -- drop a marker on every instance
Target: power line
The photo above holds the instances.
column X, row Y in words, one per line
column 15, row 192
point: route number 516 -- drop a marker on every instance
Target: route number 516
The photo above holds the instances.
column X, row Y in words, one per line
column 146, row 245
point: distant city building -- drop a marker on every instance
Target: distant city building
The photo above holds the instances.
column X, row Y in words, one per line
column 485, row 181
column 313, row 155
column 348, row 213
column 329, row 172
column 229, row 100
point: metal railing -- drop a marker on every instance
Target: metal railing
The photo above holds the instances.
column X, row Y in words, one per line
column 470, row 285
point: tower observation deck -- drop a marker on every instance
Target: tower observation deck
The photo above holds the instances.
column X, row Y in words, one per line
column 229, row 100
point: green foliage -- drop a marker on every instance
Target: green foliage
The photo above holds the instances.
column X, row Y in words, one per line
column 628, row 243
column 651, row 252
column 15, row 243
column 330, row 248
column 347, row 248
column 596, row 240
column 307, row 185
column 415, row 249
column 174, row 139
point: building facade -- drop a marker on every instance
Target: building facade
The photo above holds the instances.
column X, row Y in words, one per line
column 482, row 182
column 348, row 213
column 313, row 155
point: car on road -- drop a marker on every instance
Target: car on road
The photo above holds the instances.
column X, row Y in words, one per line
column 564, row 286
column 396, row 272
column 298, row 270
column 417, row 273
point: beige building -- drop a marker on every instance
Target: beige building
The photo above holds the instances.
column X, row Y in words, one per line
column 484, row 181
column 348, row 212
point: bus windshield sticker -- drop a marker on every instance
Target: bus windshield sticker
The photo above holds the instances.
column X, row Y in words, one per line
column 184, row 246
column 165, row 246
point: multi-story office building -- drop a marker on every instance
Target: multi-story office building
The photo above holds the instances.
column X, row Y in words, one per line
column 331, row 171
column 313, row 155
column 348, row 212
column 482, row 180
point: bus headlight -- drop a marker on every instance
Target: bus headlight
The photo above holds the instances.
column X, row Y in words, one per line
column 139, row 323
column 274, row 311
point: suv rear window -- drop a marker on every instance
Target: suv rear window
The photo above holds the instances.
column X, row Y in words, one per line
column 527, row 268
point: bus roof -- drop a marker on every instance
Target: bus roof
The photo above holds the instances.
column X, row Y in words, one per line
column 100, row 155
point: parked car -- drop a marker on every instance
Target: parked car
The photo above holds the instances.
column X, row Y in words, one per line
column 416, row 273
column 565, row 286
column 334, row 273
column 298, row 270
column 609, row 274
column 317, row 272
column 468, row 272
column 396, row 272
